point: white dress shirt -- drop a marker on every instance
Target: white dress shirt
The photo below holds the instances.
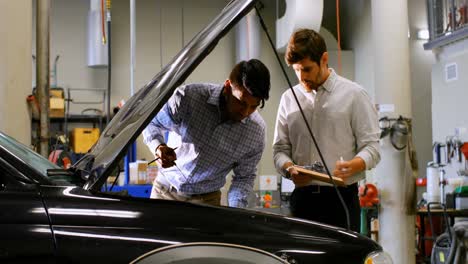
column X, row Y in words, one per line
column 342, row 118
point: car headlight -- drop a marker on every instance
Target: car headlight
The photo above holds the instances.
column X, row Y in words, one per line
column 378, row 257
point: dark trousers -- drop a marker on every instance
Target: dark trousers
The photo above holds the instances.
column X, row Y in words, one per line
column 322, row 204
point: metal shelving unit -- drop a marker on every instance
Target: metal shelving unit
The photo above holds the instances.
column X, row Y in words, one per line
column 447, row 22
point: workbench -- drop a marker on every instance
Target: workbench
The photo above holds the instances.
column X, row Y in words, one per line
column 423, row 213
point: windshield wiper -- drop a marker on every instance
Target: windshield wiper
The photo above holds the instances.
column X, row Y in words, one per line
column 60, row 172
column 71, row 176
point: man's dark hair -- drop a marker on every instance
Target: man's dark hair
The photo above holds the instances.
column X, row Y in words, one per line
column 305, row 43
column 254, row 76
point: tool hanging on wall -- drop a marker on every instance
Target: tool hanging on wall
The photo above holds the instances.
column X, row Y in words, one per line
column 397, row 129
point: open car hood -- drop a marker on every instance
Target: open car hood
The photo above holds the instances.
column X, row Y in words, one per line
column 140, row 109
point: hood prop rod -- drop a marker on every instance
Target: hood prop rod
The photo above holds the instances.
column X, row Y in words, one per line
column 305, row 120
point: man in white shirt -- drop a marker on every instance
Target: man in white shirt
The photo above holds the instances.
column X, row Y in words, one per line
column 344, row 123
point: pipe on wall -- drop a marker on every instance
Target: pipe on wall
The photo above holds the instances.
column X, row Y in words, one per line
column 132, row 45
column 299, row 14
column 132, row 151
column 42, row 70
column 109, row 58
column 392, row 81
column 96, row 36
column 248, row 39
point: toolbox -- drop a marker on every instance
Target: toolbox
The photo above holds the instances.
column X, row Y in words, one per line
column 82, row 139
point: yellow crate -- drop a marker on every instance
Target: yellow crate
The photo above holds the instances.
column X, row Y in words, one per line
column 82, row 139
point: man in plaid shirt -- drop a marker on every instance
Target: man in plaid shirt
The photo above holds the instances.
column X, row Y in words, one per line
column 218, row 130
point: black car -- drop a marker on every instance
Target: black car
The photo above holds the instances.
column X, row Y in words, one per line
column 52, row 215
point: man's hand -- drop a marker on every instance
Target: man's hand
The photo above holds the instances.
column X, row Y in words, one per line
column 298, row 178
column 165, row 156
column 344, row 168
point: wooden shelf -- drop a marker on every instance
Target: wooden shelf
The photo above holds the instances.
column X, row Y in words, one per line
column 77, row 119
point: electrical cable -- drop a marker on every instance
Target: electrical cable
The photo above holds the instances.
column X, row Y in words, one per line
column 338, row 34
column 182, row 22
column 160, row 38
column 265, row 29
column 444, row 242
column 447, row 240
column 116, row 178
column 103, row 24
column 109, row 61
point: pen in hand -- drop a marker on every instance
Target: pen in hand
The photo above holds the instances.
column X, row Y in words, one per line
column 342, row 161
column 159, row 157
column 153, row 160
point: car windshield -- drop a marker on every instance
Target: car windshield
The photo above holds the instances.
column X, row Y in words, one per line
column 26, row 155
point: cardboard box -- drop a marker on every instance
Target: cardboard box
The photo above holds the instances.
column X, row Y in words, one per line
column 120, row 180
column 151, row 174
column 57, row 107
column 138, row 172
column 82, row 139
column 56, row 102
column 56, row 93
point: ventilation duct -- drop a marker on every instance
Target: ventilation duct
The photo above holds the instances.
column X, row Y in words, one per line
column 298, row 14
column 97, row 49
column 451, row 72
column 248, row 37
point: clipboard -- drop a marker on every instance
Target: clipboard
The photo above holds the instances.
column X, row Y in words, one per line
column 321, row 176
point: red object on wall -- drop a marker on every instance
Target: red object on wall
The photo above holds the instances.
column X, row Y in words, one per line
column 60, row 158
column 421, row 182
column 368, row 195
column 33, row 105
column 464, row 150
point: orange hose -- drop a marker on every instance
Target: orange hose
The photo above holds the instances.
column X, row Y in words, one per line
column 338, row 34
column 103, row 23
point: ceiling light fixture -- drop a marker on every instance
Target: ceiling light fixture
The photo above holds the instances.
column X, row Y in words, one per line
column 423, row 34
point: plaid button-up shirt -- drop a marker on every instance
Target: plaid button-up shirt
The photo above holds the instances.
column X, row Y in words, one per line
column 208, row 148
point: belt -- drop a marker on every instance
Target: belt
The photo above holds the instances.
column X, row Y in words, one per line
column 200, row 196
column 313, row 188
column 173, row 189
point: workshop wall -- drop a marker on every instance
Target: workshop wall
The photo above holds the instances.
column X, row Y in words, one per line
column 68, row 22
column 15, row 68
column 357, row 36
column 421, row 88
column 449, row 97
column 160, row 34
column 162, row 27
